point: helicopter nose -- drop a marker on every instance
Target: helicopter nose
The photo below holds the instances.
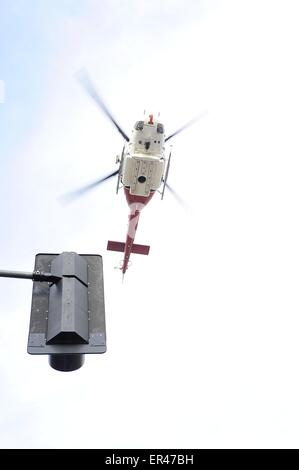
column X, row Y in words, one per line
column 147, row 145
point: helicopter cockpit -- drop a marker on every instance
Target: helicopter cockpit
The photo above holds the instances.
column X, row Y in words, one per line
column 148, row 137
column 140, row 125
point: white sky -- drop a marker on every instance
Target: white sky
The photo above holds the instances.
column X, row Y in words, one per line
column 202, row 336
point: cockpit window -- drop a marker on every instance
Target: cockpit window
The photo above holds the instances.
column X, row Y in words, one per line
column 139, row 125
column 160, row 128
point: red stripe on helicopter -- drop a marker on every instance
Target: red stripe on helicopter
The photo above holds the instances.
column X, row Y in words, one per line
column 140, row 201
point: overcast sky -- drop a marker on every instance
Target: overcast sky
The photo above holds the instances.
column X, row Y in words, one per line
column 202, row 337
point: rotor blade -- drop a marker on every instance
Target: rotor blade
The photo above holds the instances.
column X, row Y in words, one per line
column 189, row 123
column 176, row 196
column 86, row 82
column 79, row 192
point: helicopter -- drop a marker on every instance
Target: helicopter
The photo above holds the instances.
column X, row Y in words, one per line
column 143, row 169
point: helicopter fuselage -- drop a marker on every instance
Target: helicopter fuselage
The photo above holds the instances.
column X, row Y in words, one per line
column 142, row 168
column 143, row 164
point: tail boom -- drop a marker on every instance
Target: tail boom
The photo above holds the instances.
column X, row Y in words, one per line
column 136, row 204
column 129, row 247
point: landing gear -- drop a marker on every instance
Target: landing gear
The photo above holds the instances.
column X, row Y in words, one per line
column 120, row 161
column 166, row 175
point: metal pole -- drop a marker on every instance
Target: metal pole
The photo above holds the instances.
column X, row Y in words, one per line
column 16, row 274
column 35, row 276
